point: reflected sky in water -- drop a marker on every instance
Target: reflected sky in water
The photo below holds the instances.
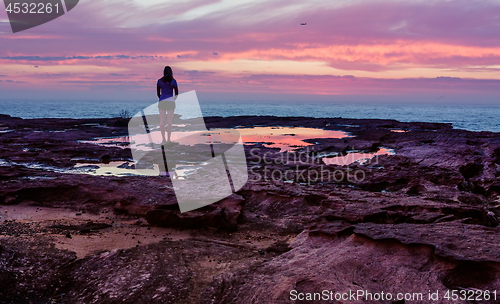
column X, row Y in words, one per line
column 284, row 138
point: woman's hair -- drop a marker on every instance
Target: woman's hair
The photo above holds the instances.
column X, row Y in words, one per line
column 168, row 75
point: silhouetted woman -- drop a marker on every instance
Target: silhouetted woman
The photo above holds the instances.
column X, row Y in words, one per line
column 166, row 105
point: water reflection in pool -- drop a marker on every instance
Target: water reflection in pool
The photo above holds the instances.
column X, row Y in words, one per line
column 121, row 168
column 284, row 138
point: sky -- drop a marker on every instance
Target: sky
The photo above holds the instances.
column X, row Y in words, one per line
column 434, row 51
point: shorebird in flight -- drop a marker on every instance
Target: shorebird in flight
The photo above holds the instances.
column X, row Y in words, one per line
column 303, row 23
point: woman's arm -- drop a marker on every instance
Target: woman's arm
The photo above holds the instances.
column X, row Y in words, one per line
column 158, row 91
column 176, row 90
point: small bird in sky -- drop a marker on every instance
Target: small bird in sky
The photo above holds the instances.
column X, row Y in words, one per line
column 303, row 23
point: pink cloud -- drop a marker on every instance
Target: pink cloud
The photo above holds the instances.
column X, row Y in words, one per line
column 368, row 36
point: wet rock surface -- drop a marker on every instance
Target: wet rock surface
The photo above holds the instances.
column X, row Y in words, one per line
column 425, row 218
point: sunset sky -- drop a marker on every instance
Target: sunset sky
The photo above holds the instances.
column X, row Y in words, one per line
column 434, row 51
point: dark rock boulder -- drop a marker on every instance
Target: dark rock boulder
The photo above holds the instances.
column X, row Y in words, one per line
column 223, row 214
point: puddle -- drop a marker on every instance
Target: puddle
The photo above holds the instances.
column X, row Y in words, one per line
column 92, row 124
column 33, row 150
column 121, row 168
column 37, row 177
column 33, row 166
column 284, row 138
column 399, row 131
column 5, row 130
column 114, row 168
column 120, row 141
column 357, row 157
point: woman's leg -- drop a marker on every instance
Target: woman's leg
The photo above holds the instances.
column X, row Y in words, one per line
column 170, row 118
column 163, row 121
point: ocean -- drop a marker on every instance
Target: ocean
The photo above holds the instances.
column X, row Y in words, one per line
column 473, row 117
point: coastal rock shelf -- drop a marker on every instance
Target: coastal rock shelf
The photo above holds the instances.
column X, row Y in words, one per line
column 422, row 217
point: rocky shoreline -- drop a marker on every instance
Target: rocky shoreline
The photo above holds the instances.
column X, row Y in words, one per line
column 424, row 218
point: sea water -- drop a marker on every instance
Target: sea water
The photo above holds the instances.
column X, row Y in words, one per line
column 473, row 117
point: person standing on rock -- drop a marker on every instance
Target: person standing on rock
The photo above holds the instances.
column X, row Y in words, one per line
column 166, row 105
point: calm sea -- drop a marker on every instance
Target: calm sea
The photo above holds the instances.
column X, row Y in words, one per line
column 462, row 116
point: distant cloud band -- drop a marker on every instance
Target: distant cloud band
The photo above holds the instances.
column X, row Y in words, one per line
column 62, row 58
